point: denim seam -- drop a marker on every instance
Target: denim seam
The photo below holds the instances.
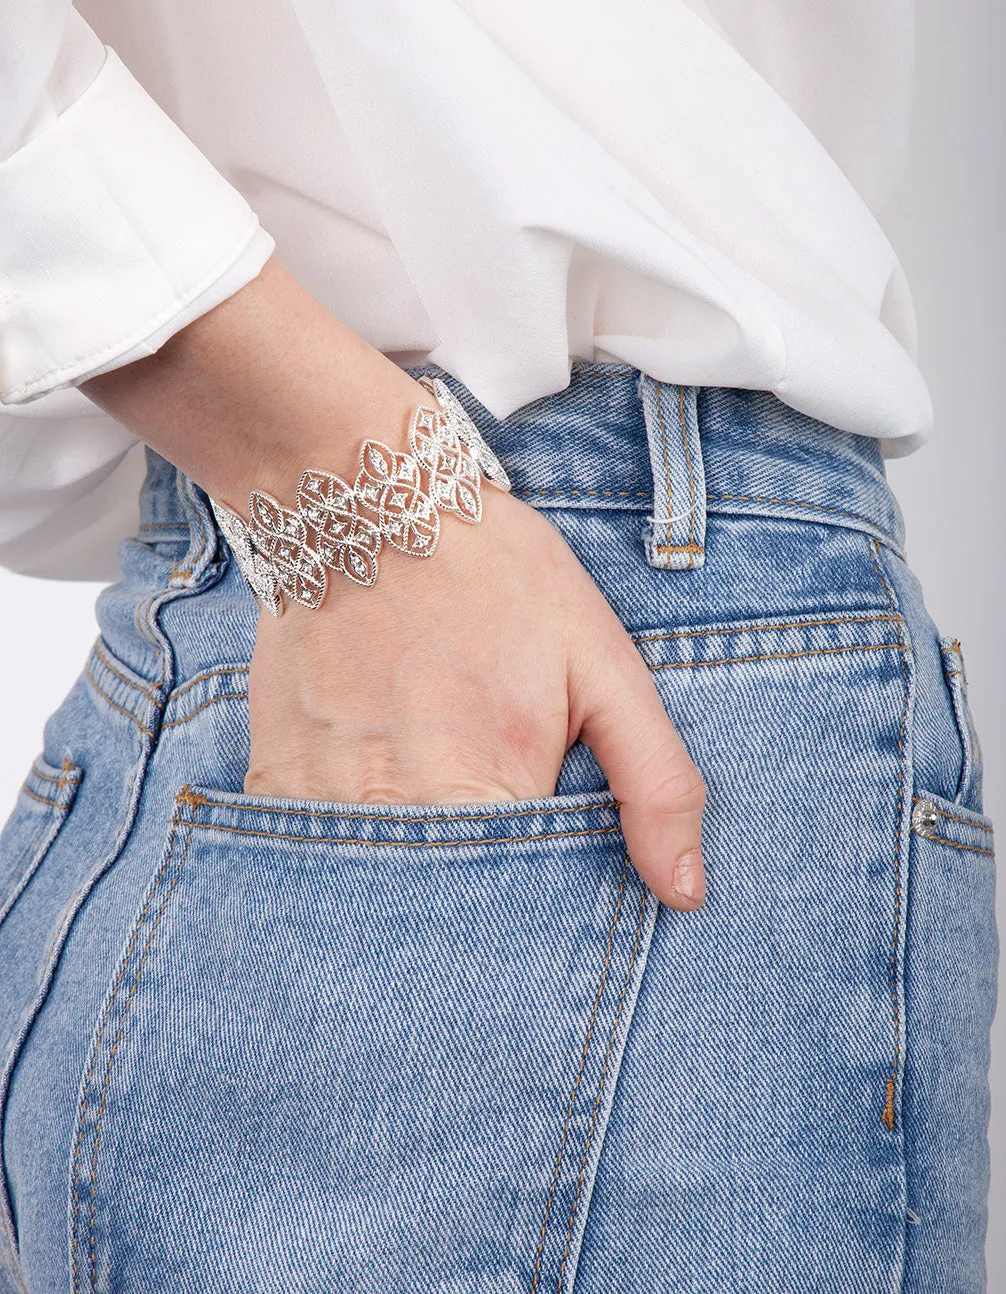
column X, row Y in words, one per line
column 10, row 897
column 69, row 772
column 209, row 673
column 692, row 549
column 874, row 548
column 20, row 881
column 953, row 817
column 164, row 525
column 888, row 1116
column 669, row 501
column 979, row 761
column 620, row 494
column 96, row 1051
column 139, row 622
column 584, row 1051
column 954, row 649
column 114, row 1049
column 601, row 1082
column 112, row 1055
column 146, row 611
column 195, row 514
column 973, row 769
column 195, row 554
column 747, row 629
column 115, row 705
column 968, row 782
column 102, row 652
column 151, row 696
column 23, row 874
column 185, row 796
column 53, row 954
column 133, row 684
column 783, row 655
column 955, row 844
column 890, row 540
column 51, row 963
column 58, row 804
column 814, row 507
column 402, row 844
column 199, row 537
column 223, row 696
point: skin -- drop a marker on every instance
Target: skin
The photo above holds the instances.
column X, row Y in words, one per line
column 460, row 679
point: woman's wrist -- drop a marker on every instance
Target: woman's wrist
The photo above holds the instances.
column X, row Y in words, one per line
column 260, row 387
column 345, row 526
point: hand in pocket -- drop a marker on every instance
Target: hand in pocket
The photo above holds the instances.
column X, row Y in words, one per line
column 466, row 679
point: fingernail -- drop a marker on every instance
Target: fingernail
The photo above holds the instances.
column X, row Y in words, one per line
column 689, row 880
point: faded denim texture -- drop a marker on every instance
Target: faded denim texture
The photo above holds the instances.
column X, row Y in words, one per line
column 254, row 1044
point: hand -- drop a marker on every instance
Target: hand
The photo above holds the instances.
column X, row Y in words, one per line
column 466, row 678
column 462, row 678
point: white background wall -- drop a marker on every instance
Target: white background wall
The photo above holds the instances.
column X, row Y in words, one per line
column 949, row 230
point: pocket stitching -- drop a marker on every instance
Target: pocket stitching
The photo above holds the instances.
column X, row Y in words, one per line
column 68, row 773
column 969, row 786
column 160, row 885
column 817, row 651
column 106, row 1015
column 68, row 780
column 193, row 800
column 954, row 844
column 755, row 626
column 115, row 704
column 600, row 1087
column 57, row 804
column 402, row 844
column 584, row 1051
column 980, row 825
column 889, row 1113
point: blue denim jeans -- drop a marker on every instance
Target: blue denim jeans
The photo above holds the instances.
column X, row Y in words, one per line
column 258, row 1044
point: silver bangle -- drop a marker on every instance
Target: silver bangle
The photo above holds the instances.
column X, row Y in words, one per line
column 291, row 550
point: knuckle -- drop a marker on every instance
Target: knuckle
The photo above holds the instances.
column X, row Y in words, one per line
column 677, row 787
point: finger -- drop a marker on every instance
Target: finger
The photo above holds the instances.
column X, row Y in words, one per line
column 660, row 791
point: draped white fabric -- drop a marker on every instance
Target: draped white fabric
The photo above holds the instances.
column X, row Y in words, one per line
column 694, row 188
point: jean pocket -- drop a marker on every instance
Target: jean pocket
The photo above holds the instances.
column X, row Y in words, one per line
column 969, row 787
column 42, row 807
column 45, row 799
column 951, row 963
column 359, row 1047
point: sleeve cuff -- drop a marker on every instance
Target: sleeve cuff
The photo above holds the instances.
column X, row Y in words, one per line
column 118, row 232
column 244, row 269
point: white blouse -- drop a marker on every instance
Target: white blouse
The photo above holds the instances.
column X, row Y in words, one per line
column 690, row 186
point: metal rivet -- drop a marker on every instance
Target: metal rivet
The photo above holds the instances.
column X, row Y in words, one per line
column 925, row 818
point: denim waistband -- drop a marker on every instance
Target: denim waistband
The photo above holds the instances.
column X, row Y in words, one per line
column 617, row 438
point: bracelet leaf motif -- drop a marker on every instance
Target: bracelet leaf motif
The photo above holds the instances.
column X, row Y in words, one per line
column 290, row 550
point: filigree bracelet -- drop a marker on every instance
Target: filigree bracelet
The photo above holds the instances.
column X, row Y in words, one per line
column 291, row 550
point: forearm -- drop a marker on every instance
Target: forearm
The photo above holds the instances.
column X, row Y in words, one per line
column 262, row 386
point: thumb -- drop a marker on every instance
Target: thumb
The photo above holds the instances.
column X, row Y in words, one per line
column 660, row 791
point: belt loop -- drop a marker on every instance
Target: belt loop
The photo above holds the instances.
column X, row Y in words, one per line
column 674, row 536
column 204, row 539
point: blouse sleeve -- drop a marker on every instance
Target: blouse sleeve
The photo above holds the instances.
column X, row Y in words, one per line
column 116, row 230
